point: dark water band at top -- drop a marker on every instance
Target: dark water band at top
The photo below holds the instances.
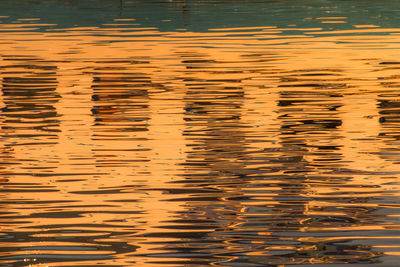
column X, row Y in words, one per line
column 202, row 15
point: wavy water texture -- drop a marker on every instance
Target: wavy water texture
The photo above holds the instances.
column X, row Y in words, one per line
column 158, row 134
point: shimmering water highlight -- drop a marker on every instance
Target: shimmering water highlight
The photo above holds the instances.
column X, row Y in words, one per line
column 158, row 134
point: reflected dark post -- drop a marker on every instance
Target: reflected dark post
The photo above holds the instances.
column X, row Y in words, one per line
column 120, row 110
column 29, row 99
column 29, row 112
column 215, row 163
column 389, row 113
column 390, row 127
column 310, row 135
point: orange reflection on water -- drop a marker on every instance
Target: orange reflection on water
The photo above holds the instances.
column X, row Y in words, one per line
column 135, row 145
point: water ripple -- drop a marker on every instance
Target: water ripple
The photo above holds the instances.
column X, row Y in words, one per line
column 199, row 133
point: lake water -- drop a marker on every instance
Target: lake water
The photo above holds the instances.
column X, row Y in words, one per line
column 195, row 133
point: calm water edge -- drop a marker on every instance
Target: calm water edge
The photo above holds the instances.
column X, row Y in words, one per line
column 200, row 132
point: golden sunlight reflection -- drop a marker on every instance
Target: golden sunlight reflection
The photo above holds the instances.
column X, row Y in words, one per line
column 123, row 145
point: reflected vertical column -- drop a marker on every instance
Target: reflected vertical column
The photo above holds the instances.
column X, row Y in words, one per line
column 31, row 122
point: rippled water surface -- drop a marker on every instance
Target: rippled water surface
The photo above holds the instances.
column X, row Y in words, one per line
column 199, row 132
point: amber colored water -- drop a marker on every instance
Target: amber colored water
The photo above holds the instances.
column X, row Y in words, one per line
column 195, row 133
